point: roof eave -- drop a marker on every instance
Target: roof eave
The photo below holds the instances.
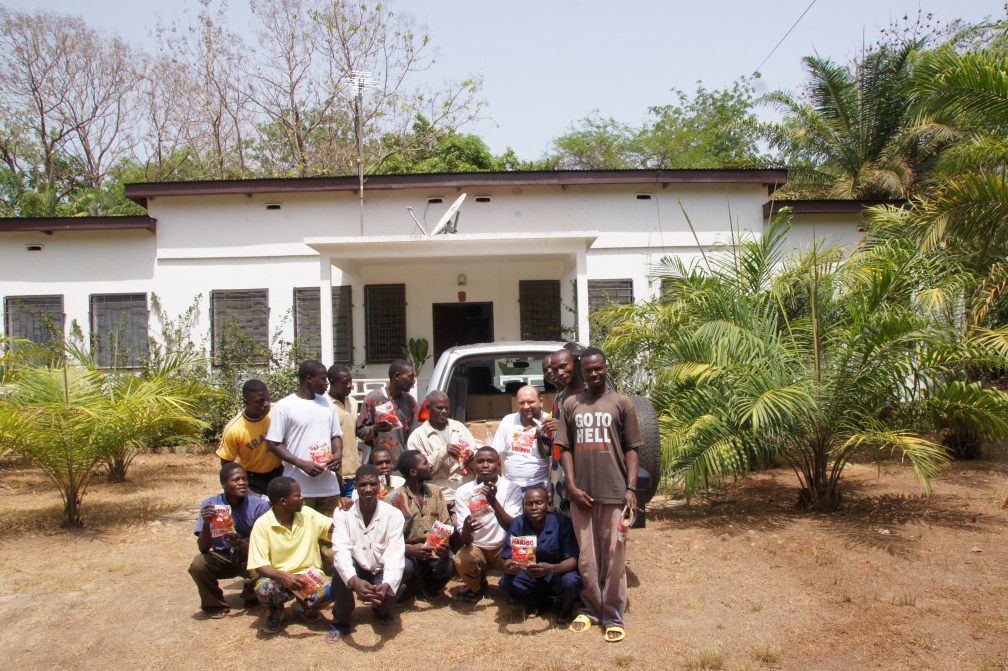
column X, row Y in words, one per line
column 54, row 224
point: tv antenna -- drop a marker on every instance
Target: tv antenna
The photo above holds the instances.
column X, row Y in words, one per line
column 360, row 80
column 448, row 223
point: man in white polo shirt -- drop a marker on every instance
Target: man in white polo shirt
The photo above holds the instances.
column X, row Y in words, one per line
column 305, row 433
column 484, row 510
column 525, row 462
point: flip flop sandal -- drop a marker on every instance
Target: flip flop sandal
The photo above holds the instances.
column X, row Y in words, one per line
column 272, row 625
column 533, row 612
column 337, row 634
column 581, row 624
column 472, row 597
column 217, row 613
column 385, row 620
column 614, row 629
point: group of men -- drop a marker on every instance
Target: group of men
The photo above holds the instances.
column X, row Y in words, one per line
column 546, row 503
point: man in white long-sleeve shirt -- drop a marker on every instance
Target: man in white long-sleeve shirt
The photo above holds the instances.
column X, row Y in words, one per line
column 369, row 554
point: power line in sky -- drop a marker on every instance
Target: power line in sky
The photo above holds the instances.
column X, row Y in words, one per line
column 781, row 41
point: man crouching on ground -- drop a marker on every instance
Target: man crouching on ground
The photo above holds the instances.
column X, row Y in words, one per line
column 370, row 554
column 284, row 550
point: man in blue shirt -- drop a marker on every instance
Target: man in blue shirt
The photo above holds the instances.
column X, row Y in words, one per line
column 225, row 556
column 554, row 572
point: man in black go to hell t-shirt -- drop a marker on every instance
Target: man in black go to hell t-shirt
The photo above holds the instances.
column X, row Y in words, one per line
column 599, row 436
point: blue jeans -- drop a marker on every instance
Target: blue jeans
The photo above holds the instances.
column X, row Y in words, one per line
column 529, row 590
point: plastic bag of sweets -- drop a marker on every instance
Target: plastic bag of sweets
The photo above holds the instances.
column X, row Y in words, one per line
column 478, row 505
column 222, row 523
column 523, row 550
column 386, row 412
column 321, row 453
column 316, row 590
column 439, row 534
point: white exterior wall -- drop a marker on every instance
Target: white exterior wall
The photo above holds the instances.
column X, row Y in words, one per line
column 232, row 242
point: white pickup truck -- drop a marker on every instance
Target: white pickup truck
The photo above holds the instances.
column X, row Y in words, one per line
column 481, row 381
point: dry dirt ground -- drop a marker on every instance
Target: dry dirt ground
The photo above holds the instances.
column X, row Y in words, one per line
column 741, row 581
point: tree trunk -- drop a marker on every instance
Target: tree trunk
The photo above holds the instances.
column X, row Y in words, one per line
column 72, row 509
column 962, row 442
column 117, row 469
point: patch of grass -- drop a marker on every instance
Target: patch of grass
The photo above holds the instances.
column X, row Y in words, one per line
column 755, row 606
column 708, row 659
column 623, row 659
column 765, row 653
column 905, row 599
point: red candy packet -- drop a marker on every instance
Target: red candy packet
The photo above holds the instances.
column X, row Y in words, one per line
column 222, row 523
column 523, row 549
column 478, row 505
column 317, row 588
column 321, row 454
column 439, row 534
column 387, row 412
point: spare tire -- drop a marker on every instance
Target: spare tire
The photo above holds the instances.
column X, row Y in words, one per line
column 650, row 452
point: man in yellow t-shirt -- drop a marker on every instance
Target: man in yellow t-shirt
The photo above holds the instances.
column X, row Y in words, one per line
column 284, row 552
column 340, row 386
column 244, row 438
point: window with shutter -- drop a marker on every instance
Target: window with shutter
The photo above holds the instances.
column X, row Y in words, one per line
column 119, row 330
column 385, row 321
column 239, row 326
column 603, row 293
column 308, row 321
column 539, row 309
column 35, row 318
column 342, row 310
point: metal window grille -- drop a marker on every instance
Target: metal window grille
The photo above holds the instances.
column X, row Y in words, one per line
column 308, row 321
column 539, row 309
column 385, row 322
column 603, row 293
column 239, row 326
column 119, row 330
column 35, row 318
column 342, row 310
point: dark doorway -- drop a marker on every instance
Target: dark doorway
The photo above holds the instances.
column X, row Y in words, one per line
column 461, row 324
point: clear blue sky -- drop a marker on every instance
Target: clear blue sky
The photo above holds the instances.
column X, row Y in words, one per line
column 546, row 63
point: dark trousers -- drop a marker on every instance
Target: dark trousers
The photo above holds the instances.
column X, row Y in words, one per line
column 207, row 569
column 259, row 481
column 343, row 597
column 433, row 574
column 529, row 590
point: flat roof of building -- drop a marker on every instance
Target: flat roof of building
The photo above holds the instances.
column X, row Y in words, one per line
column 53, row 224
column 140, row 192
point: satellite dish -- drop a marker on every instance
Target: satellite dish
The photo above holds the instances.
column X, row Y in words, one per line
column 419, row 225
column 442, row 225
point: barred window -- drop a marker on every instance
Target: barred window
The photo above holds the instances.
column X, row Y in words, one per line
column 385, row 321
column 603, row 293
column 119, row 330
column 308, row 322
column 539, row 309
column 35, row 318
column 239, row 326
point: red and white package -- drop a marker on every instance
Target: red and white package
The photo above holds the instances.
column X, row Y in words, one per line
column 523, row 550
column 321, row 453
column 222, row 523
column 465, row 450
column 439, row 534
column 478, row 505
column 386, row 412
column 523, row 441
column 317, row 589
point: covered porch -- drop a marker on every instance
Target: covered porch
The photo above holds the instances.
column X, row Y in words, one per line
column 453, row 289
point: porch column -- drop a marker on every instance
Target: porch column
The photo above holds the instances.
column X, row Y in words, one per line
column 352, row 276
column 581, row 295
column 325, row 308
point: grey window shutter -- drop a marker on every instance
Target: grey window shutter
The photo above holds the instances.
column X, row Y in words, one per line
column 539, row 309
column 39, row 319
column 385, row 323
column 240, row 325
column 119, row 330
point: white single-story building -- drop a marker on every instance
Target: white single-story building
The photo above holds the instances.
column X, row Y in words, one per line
column 533, row 255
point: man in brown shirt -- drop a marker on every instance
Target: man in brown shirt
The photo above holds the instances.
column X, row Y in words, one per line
column 599, row 438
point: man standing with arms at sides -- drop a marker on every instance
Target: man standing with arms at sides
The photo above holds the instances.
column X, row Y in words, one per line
column 525, row 461
column 244, row 439
column 599, row 438
column 446, row 443
column 385, row 407
column 370, row 554
column 340, row 386
column 568, row 383
column 422, row 505
column 305, row 433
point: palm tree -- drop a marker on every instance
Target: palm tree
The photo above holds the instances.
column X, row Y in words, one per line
column 807, row 360
column 66, row 419
column 846, row 136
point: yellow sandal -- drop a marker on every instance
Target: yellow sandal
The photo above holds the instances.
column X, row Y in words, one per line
column 615, row 629
column 585, row 624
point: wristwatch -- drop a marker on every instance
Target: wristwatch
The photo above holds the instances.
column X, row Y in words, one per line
column 632, row 488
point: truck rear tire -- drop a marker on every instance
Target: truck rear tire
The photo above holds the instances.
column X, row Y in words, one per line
column 650, row 452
